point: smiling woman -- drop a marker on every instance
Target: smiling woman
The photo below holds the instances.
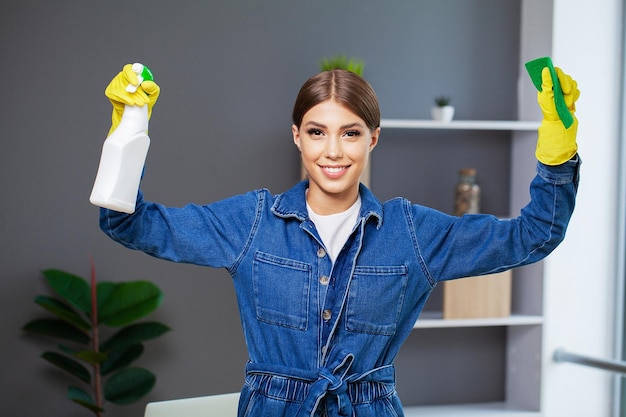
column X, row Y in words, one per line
column 329, row 280
column 335, row 145
column 343, row 87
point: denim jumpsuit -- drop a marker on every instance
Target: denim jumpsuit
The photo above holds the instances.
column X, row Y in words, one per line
column 322, row 336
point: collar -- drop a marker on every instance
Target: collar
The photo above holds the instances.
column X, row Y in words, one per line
column 292, row 203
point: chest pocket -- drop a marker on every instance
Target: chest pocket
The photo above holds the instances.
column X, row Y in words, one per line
column 281, row 290
column 375, row 299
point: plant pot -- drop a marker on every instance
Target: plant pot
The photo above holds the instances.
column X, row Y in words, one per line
column 442, row 114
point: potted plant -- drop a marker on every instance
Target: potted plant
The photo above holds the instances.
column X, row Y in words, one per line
column 100, row 362
column 356, row 65
column 442, row 111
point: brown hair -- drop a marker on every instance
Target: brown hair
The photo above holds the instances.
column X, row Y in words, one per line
column 346, row 88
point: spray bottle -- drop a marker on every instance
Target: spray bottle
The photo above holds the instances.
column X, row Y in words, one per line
column 123, row 156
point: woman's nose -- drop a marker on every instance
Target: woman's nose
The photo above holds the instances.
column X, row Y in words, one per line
column 333, row 148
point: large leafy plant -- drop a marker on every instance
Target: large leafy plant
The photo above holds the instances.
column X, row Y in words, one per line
column 81, row 311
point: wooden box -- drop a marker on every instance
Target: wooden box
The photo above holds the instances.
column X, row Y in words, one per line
column 478, row 297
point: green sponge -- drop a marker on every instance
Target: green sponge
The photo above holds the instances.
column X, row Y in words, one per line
column 534, row 69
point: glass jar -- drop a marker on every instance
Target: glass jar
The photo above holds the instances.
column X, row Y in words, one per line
column 466, row 193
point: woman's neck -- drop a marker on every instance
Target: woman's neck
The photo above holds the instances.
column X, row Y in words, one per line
column 327, row 203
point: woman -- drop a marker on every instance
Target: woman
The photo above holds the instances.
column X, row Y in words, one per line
column 329, row 280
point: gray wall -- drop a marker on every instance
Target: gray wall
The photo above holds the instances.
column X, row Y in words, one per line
column 229, row 72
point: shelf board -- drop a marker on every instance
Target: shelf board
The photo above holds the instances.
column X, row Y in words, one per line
column 436, row 321
column 460, row 124
column 468, row 410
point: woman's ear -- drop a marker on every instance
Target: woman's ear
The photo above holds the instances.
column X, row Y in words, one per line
column 295, row 132
column 375, row 136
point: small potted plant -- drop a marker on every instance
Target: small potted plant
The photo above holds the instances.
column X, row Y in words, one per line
column 356, row 65
column 442, row 111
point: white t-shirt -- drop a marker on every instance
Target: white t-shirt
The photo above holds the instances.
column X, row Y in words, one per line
column 334, row 229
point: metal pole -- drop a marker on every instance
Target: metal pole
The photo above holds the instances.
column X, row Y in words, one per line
column 561, row 355
column 620, row 247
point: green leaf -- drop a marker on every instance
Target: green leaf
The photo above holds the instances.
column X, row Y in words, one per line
column 106, row 292
column 355, row 65
column 133, row 334
column 88, row 356
column 56, row 328
column 81, row 397
column 72, row 288
column 129, row 385
column 69, row 365
column 67, row 349
column 119, row 359
column 122, row 303
column 62, row 311
column 91, row 357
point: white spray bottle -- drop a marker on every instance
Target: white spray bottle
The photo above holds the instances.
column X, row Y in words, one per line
column 123, row 156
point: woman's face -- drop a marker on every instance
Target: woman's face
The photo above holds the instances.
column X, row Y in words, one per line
column 335, row 145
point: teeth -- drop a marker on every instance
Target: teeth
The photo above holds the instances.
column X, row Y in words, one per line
column 334, row 169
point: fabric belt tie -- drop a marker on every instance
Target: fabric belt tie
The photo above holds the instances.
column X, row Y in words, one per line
column 330, row 382
column 334, row 383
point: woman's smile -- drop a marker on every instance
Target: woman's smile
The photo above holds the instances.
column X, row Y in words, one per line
column 335, row 171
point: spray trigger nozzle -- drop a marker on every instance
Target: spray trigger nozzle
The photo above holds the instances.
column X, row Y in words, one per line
column 143, row 74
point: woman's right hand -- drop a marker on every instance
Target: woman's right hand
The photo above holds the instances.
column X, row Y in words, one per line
column 147, row 94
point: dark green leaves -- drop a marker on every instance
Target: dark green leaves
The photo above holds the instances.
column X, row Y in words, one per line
column 69, row 365
column 118, row 359
column 57, row 328
column 134, row 334
column 70, row 288
column 79, row 396
column 356, row 65
column 62, row 311
column 123, row 303
column 119, row 305
column 129, row 385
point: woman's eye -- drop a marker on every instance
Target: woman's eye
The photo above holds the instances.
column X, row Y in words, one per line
column 353, row 133
column 315, row 132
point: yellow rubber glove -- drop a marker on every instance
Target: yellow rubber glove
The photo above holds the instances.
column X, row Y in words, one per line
column 556, row 144
column 147, row 94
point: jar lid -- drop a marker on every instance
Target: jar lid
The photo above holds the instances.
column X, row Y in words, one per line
column 467, row 171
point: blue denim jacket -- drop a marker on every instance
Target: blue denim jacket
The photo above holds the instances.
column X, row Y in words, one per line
column 322, row 337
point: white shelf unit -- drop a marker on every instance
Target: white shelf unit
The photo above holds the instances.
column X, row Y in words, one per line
column 429, row 320
column 523, row 330
column 469, row 410
column 510, row 125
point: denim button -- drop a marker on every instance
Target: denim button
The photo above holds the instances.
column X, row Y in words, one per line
column 327, row 314
column 321, row 253
column 324, row 280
